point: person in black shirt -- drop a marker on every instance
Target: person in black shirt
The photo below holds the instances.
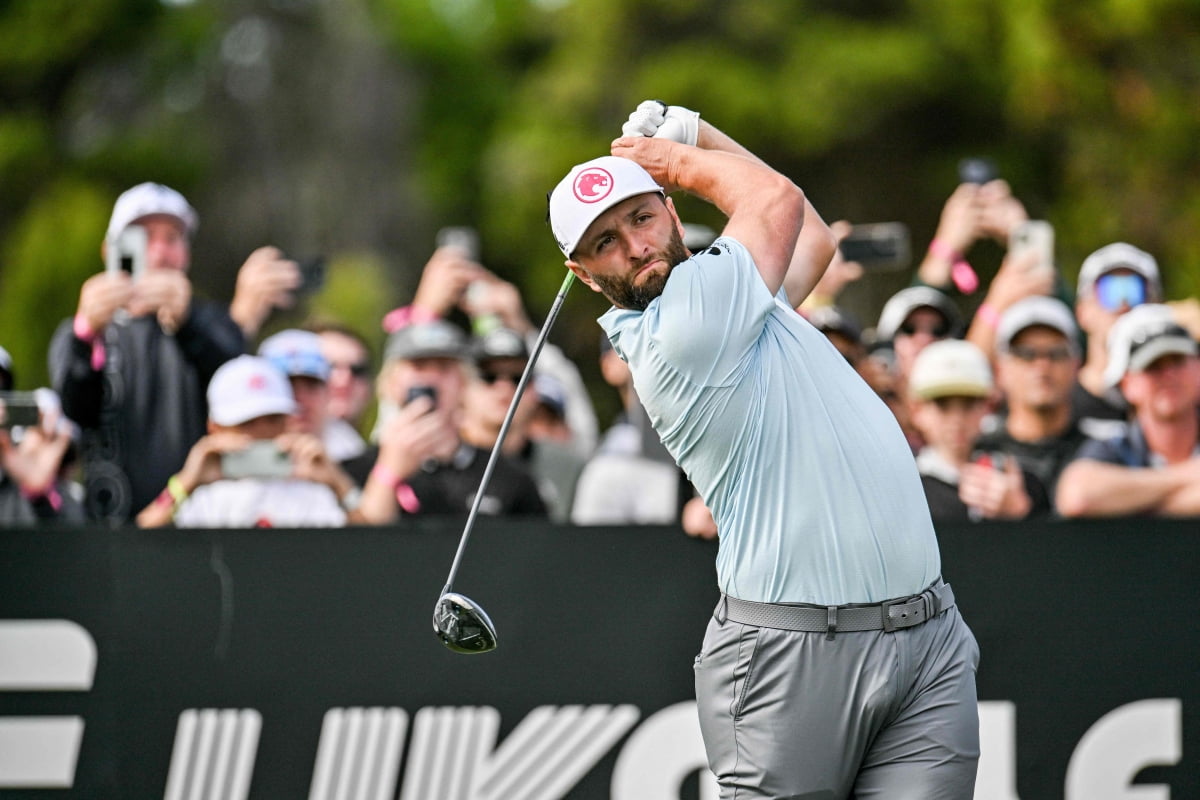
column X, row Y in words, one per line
column 1037, row 362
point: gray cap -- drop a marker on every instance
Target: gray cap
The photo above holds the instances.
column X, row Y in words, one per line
column 1040, row 310
column 831, row 319
column 436, row 339
column 499, row 343
column 906, row 301
column 1143, row 335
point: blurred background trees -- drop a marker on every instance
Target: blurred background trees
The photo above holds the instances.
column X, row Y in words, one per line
column 356, row 128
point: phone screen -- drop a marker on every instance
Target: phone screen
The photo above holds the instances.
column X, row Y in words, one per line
column 18, row 409
column 260, row 459
column 878, row 245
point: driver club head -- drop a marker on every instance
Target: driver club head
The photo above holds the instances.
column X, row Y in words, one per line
column 462, row 625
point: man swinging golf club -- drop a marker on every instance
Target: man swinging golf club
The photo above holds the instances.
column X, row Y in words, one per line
column 836, row 661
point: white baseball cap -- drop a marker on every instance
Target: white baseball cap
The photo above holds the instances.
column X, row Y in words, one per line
column 950, row 368
column 898, row 307
column 1119, row 255
column 1143, row 335
column 151, row 198
column 1040, row 310
column 246, row 388
column 590, row 189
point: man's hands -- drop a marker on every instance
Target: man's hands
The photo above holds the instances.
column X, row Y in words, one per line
column 166, row 293
column 656, row 119
column 268, row 280
column 997, row 493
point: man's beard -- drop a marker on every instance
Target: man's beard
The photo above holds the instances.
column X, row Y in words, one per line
column 621, row 290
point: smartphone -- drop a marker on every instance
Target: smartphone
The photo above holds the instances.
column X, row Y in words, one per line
column 1036, row 235
column 312, row 274
column 421, row 391
column 977, row 170
column 126, row 252
column 878, row 246
column 461, row 237
column 997, row 460
column 259, row 459
column 19, row 409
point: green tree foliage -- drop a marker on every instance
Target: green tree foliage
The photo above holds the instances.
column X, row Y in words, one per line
column 366, row 124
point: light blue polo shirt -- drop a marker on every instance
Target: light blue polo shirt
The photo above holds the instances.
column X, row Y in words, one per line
column 813, row 487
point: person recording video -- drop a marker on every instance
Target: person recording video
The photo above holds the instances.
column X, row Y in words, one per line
column 250, row 470
column 132, row 364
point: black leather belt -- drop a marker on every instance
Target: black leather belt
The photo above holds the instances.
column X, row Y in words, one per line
column 887, row 616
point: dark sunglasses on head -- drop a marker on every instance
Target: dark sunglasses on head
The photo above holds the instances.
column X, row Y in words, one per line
column 1115, row 291
column 939, row 331
column 1056, row 355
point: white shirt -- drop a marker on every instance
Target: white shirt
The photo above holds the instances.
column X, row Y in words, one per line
column 261, row 502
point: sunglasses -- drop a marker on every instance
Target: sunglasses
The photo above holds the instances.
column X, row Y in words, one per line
column 490, row 377
column 939, row 331
column 360, row 369
column 1115, row 291
column 1055, row 355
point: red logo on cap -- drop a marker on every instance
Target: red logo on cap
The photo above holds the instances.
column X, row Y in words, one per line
column 593, row 185
column 257, row 383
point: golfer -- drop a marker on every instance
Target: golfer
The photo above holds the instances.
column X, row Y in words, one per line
column 836, row 662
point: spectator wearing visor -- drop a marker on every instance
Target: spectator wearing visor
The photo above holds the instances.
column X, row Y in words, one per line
column 1154, row 466
column 1037, row 361
column 1114, row 279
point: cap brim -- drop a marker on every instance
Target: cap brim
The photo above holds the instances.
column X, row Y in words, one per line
column 952, row 389
column 244, row 412
column 1150, row 352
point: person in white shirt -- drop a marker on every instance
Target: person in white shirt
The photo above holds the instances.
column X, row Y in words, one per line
column 250, row 470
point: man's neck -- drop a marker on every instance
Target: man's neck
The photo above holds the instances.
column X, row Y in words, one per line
column 1033, row 424
column 1174, row 439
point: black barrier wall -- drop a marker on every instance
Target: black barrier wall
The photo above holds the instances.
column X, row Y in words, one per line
column 293, row 664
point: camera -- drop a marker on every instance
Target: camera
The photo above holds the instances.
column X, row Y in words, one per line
column 977, row 170
column 259, row 459
column 126, row 252
column 18, row 409
column 878, row 246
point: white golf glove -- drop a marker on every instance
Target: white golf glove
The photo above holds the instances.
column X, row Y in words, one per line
column 657, row 119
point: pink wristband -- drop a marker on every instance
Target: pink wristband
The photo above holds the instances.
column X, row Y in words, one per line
column 84, row 333
column 404, row 316
column 406, row 498
column 50, row 493
column 961, row 273
column 990, row 316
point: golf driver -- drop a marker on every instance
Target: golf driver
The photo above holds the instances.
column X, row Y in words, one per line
column 458, row 621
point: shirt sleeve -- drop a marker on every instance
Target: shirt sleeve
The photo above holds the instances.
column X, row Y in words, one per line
column 712, row 313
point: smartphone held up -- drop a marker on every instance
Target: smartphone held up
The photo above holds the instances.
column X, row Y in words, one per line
column 126, row 251
column 1034, row 235
column 878, row 246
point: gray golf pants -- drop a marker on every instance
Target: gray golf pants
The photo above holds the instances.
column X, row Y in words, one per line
column 871, row 714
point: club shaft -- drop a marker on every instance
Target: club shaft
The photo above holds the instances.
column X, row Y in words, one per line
column 508, row 418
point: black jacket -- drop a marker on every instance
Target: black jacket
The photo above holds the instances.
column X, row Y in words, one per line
column 145, row 409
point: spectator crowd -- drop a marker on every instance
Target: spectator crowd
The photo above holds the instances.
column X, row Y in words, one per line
column 168, row 409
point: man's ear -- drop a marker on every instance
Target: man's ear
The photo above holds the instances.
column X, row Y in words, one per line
column 670, row 204
column 582, row 274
